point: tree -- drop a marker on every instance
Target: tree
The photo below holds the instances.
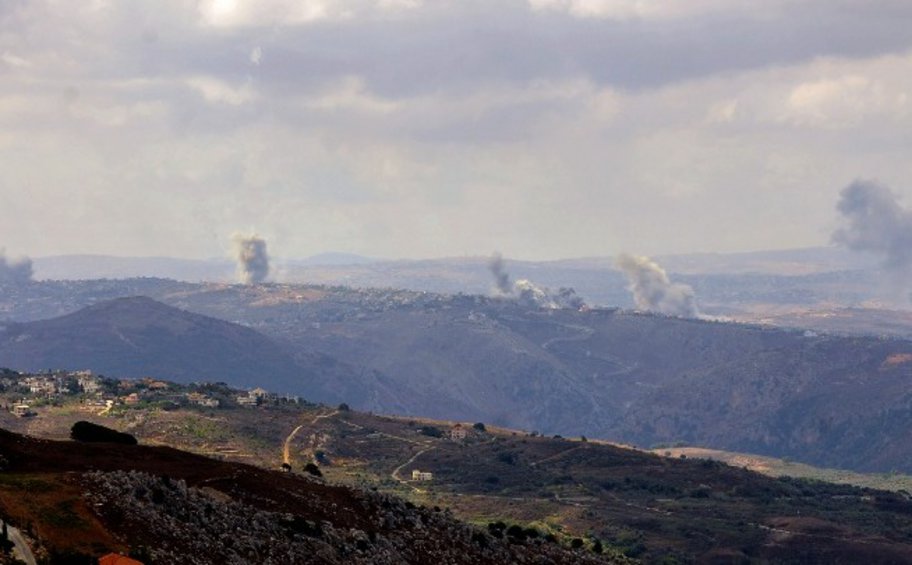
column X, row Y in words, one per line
column 479, row 426
column 89, row 432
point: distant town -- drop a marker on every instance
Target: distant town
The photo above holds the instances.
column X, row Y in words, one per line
column 23, row 394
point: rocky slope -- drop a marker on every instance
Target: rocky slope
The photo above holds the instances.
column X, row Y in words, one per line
column 167, row 506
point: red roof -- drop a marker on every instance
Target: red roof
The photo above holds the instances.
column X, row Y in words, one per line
column 117, row 559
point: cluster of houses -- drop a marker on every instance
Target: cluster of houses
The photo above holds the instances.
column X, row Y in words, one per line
column 102, row 394
column 50, row 385
column 61, row 382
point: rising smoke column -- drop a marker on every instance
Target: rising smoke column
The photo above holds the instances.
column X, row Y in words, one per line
column 527, row 292
column 501, row 277
column 16, row 271
column 653, row 291
column 252, row 258
column 876, row 222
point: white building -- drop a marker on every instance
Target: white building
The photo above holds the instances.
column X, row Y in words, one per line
column 422, row 475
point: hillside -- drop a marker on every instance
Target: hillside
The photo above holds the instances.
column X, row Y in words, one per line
column 829, row 400
column 137, row 336
column 624, row 501
column 163, row 504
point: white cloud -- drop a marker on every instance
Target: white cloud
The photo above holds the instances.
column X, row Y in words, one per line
column 844, row 101
column 641, row 9
column 349, row 94
column 256, row 55
column 262, row 13
column 216, row 91
column 13, row 60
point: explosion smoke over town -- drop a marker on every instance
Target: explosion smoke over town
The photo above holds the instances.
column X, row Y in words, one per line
column 876, row 222
column 527, row 292
column 652, row 289
column 252, row 258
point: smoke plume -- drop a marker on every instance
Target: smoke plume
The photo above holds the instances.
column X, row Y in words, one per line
column 527, row 292
column 16, row 271
column 877, row 223
column 653, row 291
column 501, row 277
column 252, row 258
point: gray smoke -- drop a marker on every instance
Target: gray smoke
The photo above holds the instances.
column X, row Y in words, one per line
column 652, row 290
column 16, row 271
column 501, row 277
column 527, row 292
column 877, row 223
column 252, row 258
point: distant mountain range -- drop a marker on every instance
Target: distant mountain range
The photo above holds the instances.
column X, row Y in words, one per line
column 646, row 379
column 83, row 267
column 724, row 283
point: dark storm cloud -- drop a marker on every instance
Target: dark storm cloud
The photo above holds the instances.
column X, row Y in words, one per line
column 417, row 55
column 497, row 42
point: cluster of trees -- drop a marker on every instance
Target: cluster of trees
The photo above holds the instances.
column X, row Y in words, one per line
column 93, row 433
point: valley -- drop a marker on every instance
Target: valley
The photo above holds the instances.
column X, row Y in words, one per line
column 825, row 399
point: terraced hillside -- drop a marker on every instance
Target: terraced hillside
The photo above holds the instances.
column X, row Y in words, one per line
column 623, row 501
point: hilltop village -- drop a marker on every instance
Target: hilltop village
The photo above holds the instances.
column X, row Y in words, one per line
column 24, row 394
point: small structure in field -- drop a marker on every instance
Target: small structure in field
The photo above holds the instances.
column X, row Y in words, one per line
column 457, row 433
column 422, row 475
column 22, row 410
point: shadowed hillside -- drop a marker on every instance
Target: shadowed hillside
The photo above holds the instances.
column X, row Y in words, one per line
column 134, row 337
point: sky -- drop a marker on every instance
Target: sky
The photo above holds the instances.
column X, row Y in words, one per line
column 415, row 128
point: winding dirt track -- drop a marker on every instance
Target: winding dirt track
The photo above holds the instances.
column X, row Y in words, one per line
column 286, row 448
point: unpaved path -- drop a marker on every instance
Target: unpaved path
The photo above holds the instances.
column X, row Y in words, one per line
column 286, row 448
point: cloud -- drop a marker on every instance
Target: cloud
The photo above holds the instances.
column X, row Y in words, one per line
column 639, row 9
column 653, row 291
column 256, row 55
column 217, row 91
column 265, row 13
column 389, row 127
column 844, row 102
